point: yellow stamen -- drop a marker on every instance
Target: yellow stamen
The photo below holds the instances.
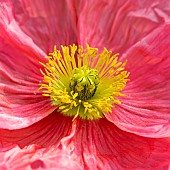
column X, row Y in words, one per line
column 82, row 82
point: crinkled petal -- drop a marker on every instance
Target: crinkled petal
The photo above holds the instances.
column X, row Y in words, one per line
column 46, row 23
column 145, row 110
column 21, row 104
column 11, row 32
column 92, row 145
column 34, row 157
column 167, row 167
column 117, row 25
column 46, row 132
column 101, row 145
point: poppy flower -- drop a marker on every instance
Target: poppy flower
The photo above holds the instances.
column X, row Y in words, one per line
column 83, row 106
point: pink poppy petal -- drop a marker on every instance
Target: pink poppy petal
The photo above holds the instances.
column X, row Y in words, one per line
column 20, row 102
column 46, row 132
column 146, row 108
column 167, row 167
column 11, row 33
column 117, row 25
column 34, row 157
column 101, row 145
column 46, row 23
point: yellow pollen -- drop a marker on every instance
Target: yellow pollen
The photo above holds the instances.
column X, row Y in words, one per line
column 82, row 82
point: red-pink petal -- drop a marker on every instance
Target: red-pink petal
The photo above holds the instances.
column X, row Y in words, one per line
column 20, row 102
column 101, row 145
column 12, row 33
column 92, row 145
column 117, row 25
column 146, row 108
column 46, row 23
column 34, row 157
column 46, row 132
column 167, row 167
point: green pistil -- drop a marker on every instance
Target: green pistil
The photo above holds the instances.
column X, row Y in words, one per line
column 84, row 82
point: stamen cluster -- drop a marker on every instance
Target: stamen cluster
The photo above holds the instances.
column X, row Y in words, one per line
column 81, row 82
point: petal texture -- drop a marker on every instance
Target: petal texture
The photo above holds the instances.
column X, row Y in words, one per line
column 46, row 23
column 101, row 145
column 34, row 157
column 46, row 132
column 92, row 145
column 146, row 108
column 117, row 25
column 20, row 103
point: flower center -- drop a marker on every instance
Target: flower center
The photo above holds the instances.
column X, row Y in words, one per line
column 81, row 82
column 84, row 82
